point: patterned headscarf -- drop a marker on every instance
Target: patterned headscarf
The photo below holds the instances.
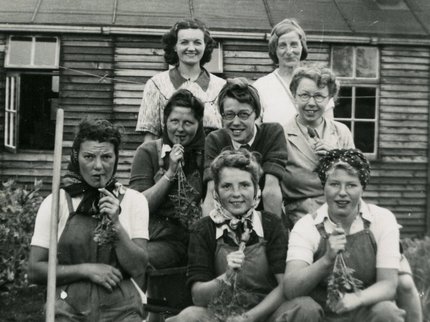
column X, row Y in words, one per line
column 355, row 158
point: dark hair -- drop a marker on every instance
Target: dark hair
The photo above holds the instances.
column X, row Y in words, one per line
column 94, row 130
column 351, row 160
column 184, row 98
column 284, row 27
column 170, row 39
column 240, row 159
column 322, row 76
column 242, row 91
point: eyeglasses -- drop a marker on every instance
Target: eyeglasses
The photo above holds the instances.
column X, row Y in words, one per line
column 317, row 97
column 229, row 116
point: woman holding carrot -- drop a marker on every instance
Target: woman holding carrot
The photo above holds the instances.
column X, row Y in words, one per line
column 235, row 247
column 102, row 234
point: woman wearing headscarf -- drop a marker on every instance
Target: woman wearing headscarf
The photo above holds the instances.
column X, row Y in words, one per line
column 287, row 49
column 236, row 245
column 160, row 166
column 345, row 236
column 188, row 47
column 102, row 234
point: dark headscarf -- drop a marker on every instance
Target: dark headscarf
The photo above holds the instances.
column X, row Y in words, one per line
column 73, row 182
column 193, row 152
column 355, row 158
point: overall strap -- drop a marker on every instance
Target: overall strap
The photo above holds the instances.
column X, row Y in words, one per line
column 366, row 224
column 69, row 202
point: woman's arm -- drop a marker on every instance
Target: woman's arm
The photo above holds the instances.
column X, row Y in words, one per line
column 272, row 195
column 383, row 290
column 132, row 254
column 301, row 278
column 102, row 274
column 158, row 192
column 270, row 303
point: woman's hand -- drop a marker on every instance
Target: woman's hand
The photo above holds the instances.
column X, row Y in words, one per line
column 335, row 243
column 240, row 318
column 321, row 148
column 103, row 275
column 176, row 155
column 347, row 303
column 109, row 204
column 235, row 260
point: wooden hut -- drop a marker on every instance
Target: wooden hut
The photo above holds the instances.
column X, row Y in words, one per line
column 93, row 58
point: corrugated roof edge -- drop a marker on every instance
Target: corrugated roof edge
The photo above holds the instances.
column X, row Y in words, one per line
column 312, row 37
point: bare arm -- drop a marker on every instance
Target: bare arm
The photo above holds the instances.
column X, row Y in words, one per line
column 301, row 278
column 158, row 192
column 209, row 203
column 383, row 290
column 272, row 195
column 262, row 310
column 102, row 274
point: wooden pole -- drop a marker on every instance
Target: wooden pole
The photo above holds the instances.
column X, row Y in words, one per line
column 52, row 263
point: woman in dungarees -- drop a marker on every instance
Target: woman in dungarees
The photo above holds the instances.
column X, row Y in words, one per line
column 214, row 253
column 102, row 234
column 154, row 173
column 365, row 234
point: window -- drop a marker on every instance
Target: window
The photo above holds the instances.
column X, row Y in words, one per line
column 31, row 97
column 357, row 68
column 32, row 52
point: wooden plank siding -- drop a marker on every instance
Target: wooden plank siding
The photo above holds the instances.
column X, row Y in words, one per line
column 104, row 75
column 86, row 85
column 3, row 40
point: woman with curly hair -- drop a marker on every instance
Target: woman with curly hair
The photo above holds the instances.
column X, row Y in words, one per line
column 102, row 234
column 188, row 47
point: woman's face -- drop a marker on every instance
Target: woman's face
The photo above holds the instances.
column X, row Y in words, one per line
column 343, row 192
column 190, row 46
column 289, row 50
column 240, row 130
column 96, row 162
column 235, row 190
column 311, row 102
column 181, row 125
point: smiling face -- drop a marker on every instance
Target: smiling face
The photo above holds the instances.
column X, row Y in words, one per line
column 311, row 111
column 96, row 162
column 181, row 125
column 239, row 130
column 289, row 50
column 235, row 190
column 343, row 192
column 190, row 46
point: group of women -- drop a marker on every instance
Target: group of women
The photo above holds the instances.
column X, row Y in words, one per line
column 258, row 182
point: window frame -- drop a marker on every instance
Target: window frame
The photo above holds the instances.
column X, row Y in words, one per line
column 354, row 82
column 15, row 148
column 56, row 65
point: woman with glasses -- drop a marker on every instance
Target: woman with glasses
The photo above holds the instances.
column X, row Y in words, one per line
column 240, row 107
column 188, row 47
column 287, row 48
column 310, row 136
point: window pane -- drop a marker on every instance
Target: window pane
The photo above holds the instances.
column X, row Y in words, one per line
column 367, row 62
column 343, row 105
column 44, row 54
column 20, row 51
column 365, row 102
column 364, row 136
column 342, row 61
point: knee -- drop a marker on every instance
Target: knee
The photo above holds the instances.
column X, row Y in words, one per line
column 299, row 309
column 189, row 314
column 386, row 311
